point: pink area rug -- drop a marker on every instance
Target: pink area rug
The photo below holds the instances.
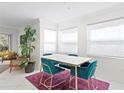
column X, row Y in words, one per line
column 82, row 84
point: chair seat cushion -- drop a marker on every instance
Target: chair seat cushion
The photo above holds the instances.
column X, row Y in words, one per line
column 57, row 70
column 81, row 72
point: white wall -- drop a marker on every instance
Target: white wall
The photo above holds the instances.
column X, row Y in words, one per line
column 39, row 25
column 14, row 36
column 108, row 68
column 45, row 24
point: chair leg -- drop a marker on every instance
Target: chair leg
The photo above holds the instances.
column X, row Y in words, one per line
column 48, row 87
column 41, row 78
column 10, row 66
column 51, row 82
column 41, row 75
column 40, row 67
column 88, row 84
column 95, row 83
column 92, row 84
column 64, row 74
column 70, row 82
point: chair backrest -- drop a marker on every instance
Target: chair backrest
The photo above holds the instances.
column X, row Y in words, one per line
column 87, row 72
column 72, row 54
column 47, row 54
column 55, row 62
column 91, row 68
column 48, row 65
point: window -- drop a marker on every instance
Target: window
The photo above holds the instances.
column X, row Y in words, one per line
column 106, row 39
column 4, row 42
column 68, row 41
column 49, row 41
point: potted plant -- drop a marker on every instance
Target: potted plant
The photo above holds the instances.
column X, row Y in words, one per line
column 27, row 47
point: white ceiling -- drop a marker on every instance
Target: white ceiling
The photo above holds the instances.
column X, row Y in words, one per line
column 18, row 14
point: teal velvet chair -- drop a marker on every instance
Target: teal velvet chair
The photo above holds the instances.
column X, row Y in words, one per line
column 50, row 68
column 47, row 54
column 86, row 71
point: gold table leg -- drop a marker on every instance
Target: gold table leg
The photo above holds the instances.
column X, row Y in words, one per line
column 76, row 79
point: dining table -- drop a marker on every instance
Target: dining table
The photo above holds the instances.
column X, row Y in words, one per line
column 70, row 60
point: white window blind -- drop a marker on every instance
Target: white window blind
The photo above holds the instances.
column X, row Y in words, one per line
column 68, row 40
column 106, row 39
column 49, row 41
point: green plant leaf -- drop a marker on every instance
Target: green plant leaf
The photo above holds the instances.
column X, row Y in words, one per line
column 24, row 63
column 28, row 47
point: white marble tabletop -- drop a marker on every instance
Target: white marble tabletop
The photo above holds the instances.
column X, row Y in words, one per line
column 68, row 59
